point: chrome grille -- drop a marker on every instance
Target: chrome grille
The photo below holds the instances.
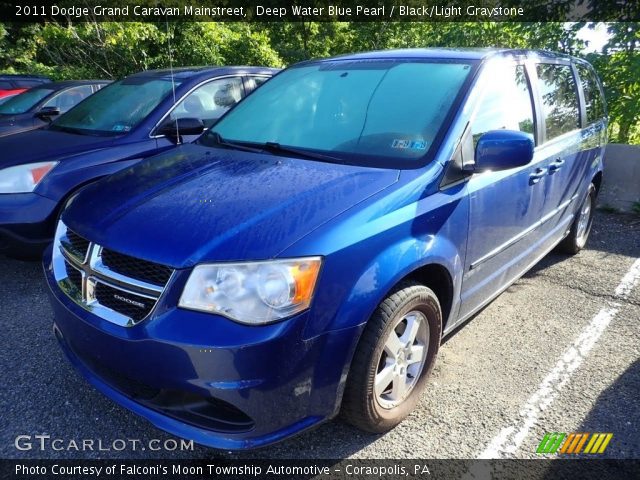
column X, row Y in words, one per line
column 117, row 287
column 75, row 245
column 74, row 275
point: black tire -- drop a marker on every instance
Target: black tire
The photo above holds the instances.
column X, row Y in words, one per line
column 578, row 236
column 361, row 405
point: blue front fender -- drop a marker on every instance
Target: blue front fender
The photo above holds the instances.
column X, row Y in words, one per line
column 372, row 248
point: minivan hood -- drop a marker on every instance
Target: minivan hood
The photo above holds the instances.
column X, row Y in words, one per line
column 40, row 145
column 194, row 204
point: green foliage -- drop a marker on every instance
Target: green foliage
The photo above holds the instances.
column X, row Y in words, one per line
column 608, row 209
column 297, row 41
column 113, row 50
column 209, row 43
column 550, row 36
column 619, row 69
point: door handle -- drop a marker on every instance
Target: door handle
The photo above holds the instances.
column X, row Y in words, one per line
column 556, row 165
column 537, row 175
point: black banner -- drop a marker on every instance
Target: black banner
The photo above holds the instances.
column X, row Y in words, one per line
column 556, row 469
column 30, row 11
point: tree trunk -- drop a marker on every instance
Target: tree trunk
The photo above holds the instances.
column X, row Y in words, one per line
column 623, row 132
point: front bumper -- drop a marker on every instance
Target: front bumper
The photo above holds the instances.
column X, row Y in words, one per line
column 203, row 377
column 26, row 223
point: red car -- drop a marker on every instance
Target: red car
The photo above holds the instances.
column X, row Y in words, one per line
column 13, row 84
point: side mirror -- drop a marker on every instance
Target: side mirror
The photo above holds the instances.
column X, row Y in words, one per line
column 45, row 113
column 174, row 129
column 503, row 149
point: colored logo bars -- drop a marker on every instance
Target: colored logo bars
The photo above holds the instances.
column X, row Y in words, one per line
column 574, row 443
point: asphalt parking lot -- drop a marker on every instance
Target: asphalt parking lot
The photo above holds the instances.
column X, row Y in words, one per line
column 559, row 351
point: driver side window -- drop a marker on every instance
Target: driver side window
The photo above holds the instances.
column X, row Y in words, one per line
column 210, row 101
column 506, row 103
column 69, row 98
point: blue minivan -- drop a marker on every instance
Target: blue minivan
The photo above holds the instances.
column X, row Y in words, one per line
column 306, row 255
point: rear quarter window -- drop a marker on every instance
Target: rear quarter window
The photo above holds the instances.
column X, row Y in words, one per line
column 593, row 98
column 559, row 99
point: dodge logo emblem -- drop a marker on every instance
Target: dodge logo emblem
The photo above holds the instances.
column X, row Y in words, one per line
column 128, row 300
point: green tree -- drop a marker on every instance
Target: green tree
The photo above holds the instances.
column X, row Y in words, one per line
column 99, row 49
column 113, row 50
column 297, row 41
column 619, row 69
column 225, row 43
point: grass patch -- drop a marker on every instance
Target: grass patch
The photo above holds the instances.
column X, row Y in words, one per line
column 608, row 209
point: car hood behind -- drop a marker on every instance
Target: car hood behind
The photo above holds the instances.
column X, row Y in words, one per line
column 41, row 145
column 194, row 204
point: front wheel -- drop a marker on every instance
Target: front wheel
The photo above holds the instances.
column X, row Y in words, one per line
column 393, row 360
column 581, row 227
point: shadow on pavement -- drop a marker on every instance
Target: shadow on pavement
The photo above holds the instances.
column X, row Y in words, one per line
column 611, row 234
column 617, row 411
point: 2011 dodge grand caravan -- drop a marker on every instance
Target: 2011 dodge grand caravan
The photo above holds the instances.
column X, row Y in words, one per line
column 307, row 254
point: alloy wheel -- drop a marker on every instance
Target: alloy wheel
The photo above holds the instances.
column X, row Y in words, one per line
column 402, row 359
column 584, row 220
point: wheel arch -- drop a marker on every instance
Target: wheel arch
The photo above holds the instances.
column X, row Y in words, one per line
column 433, row 274
column 438, row 278
column 597, row 181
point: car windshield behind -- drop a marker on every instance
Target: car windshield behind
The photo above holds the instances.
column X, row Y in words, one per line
column 367, row 112
column 24, row 102
column 117, row 108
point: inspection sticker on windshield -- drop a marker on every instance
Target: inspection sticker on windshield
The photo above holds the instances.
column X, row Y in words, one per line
column 121, row 128
column 409, row 144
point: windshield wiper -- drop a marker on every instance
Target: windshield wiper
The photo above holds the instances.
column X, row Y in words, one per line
column 277, row 148
column 272, row 147
column 236, row 146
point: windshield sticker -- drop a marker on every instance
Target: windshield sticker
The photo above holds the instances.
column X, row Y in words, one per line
column 409, row 144
column 118, row 127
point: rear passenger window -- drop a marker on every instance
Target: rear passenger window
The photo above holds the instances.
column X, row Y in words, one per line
column 593, row 100
column 559, row 99
column 506, row 103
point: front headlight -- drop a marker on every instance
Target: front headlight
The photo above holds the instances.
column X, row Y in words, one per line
column 254, row 293
column 24, row 178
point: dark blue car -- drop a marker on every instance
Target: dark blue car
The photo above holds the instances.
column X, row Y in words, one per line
column 37, row 106
column 130, row 119
column 307, row 255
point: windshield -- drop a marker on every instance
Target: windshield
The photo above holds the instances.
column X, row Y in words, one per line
column 117, row 108
column 367, row 112
column 24, row 102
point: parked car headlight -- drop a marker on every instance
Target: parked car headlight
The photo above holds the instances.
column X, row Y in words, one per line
column 24, row 178
column 254, row 293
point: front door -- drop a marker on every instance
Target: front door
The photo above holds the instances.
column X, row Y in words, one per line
column 504, row 206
